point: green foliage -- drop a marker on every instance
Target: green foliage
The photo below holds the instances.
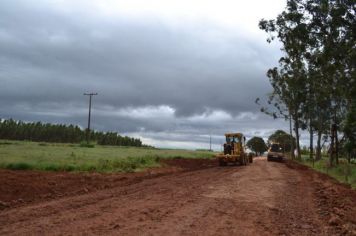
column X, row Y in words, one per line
column 18, row 166
column 85, row 144
column 313, row 80
column 344, row 172
column 257, row 145
column 59, row 133
column 21, row 155
column 349, row 129
column 304, row 150
column 5, row 143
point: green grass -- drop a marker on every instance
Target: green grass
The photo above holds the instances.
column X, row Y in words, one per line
column 344, row 172
column 22, row 155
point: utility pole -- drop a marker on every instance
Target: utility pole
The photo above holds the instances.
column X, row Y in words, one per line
column 210, row 142
column 88, row 129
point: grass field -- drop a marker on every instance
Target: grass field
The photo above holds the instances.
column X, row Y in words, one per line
column 344, row 172
column 21, row 155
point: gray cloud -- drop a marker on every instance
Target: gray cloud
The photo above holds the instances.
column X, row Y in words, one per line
column 49, row 56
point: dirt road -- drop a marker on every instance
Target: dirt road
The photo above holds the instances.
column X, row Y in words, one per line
column 265, row 198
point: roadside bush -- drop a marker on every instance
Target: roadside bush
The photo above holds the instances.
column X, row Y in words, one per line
column 5, row 143
column 304, row 150
column 51, row 168
column 19, row 166
column 344, row 172
column 89, row 168
column 69, row 168
column 87, row 145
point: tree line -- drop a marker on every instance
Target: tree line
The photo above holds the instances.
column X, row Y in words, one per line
column 60, row 133
column 314, row 84
column 259, row 146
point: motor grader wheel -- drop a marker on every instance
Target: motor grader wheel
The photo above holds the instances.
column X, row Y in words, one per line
column 243, row 161
column 222, row 163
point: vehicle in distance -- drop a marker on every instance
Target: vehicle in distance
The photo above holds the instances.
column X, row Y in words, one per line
column 275, row 152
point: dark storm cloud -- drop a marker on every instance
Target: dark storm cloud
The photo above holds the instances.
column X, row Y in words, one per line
column 50, row 56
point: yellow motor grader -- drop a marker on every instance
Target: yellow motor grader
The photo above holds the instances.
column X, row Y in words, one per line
column 234, row 150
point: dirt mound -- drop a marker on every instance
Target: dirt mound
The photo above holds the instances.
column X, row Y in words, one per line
column 23, row 187
column 335, row 200
column 191, row 164
column 294, row 165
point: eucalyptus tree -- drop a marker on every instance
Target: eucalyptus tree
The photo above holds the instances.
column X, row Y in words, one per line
column 332, row 26
column 316, row 74
column 40, row 132
column 349, row 129
column 289, row 81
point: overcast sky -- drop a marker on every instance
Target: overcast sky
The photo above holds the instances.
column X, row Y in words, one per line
column 168, row 72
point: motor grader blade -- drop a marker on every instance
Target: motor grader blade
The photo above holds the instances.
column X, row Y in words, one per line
column 236, row 159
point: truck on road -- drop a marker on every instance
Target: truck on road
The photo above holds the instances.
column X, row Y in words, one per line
column 275, row 152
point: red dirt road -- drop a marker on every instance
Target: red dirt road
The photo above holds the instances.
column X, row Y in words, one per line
column 188, row 198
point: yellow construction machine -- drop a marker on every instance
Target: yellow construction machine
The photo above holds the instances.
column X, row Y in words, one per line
column 275, row 152
column 234, row 150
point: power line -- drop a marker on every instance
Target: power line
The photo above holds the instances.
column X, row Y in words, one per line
column 88, row 129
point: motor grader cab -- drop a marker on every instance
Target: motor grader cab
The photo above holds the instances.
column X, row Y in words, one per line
column 234, row 150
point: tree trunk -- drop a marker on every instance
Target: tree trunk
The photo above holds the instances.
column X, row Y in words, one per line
column 318, row 147
column 296, row 129
column 336, row 147
column 311, row 131
column 332, row 146
column 291, row 139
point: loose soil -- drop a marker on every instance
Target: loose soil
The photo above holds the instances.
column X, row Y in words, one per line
column 186, row 197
